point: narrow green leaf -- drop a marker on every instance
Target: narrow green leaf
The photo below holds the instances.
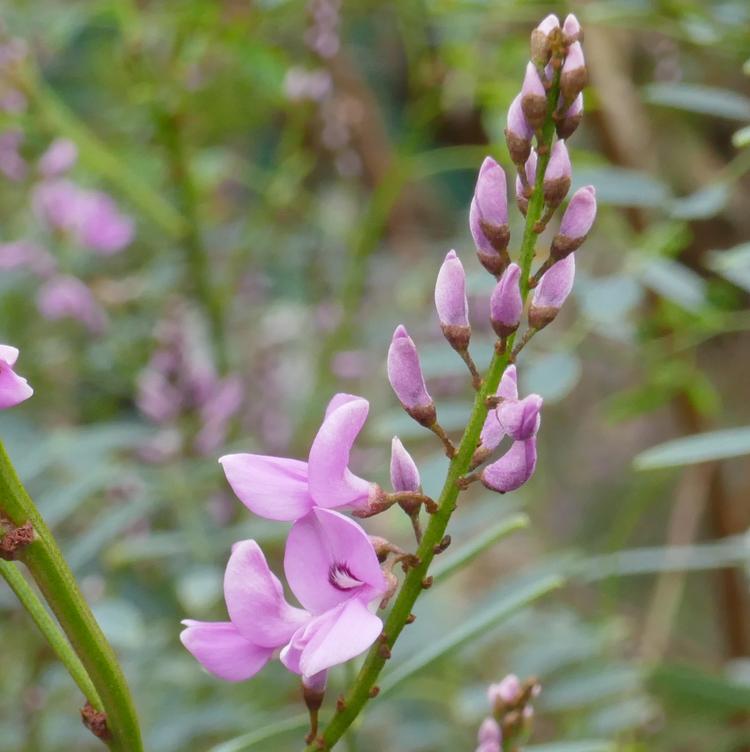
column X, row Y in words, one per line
column 448, row 566
column 692, row 450
column 704, row 693
column 518, row 597
column 704, row 100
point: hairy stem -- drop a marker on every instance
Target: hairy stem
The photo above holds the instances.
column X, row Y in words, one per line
column 49, row 569
column 416, row 579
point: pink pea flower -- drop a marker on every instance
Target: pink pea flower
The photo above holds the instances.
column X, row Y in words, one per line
column 520, row 419
column 513, row 469
column 101, row 226
column 67, row 297
column 13, row 388
column 331, row 568
column 286, row 489
column 60, row 156
column 492, row 432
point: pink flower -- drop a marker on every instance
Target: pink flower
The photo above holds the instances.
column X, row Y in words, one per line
column 67, row 297
column 13, row 388
column 513, row 469
column 520, row 419
column 287, row 489
column 22, row 254
column 12, row 164
column 331, row 568
column 60, row 156
column 492, row 432
column 506, row 692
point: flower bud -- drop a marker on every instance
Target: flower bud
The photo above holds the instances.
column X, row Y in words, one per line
column 314, row 690
column 529, row 171
column 451, row 304
column 576, row 222
column 533, row 98
column 518, row 133
column 404, row 471
column 505, row 693
column 506, row 304
column 574, row 77
column 551, row 292
column 513, row 469
column 571, row 119
column 571, row 29
column 520, row 419
column 540, row 40
column 557, row 176
column 489, row 732
column 407, row 381
column 488, row 218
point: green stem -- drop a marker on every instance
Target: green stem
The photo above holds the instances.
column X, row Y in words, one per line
column 359, row 692
column 49, row 569
column 50, row 631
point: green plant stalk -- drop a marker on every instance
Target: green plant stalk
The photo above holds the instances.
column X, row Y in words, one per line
column 50, row 631
column 49, row 569
column 359, row 693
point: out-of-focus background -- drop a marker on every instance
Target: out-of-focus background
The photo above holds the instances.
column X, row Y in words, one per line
column 273, row 186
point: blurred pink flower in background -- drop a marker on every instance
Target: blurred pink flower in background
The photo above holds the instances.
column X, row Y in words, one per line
column 65, row 296
column 12, row 164
column 60, row 156
column 24, row 254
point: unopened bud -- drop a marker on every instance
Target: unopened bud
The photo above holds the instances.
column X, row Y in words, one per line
column 506, row 304
column 451, row 304
column 540, row 40
column 533, row 98
column 505, row 693
column 314, row 690
column 567, row 123
column 571, row 29
column 520, row 419
column 551, row 292
column 488, row 218
column 574, row 77
column 489, row 732
column 577, row 220
column 406, row 379
column 404, row 471
column 513, row 469
column 518, row 133
column 529, row 171
column 557, row 176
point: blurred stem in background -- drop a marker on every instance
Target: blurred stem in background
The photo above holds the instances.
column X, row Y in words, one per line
column 57, row 584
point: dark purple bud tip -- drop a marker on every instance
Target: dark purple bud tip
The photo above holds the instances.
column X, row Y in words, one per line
column 533, row 98
column 576, row 223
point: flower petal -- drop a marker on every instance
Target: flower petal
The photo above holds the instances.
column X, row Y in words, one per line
column 255, row 598
column 338, row 399
column 332, row 638
column 13, row 388
column 325, row 542
column 9, row 354
column 330, row 481
column 222, row 650
column 272, row 487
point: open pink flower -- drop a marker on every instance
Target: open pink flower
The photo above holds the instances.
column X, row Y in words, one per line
column 332, row 569
column 13, row 388
column 287, row 489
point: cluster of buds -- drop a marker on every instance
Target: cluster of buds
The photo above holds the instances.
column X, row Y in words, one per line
column 511, row 713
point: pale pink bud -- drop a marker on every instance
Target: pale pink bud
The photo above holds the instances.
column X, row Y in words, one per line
column 571, row 27
column 529, row 171
column 557, row 176
column 574, row 77
column 506, row 692
column 404, row 471
column 551, row 292
column 533, row 98
column 513, row 469
column 489, row 732
column 520, row 419
column 451, row 303
column 577, row 220
column 406, row 379
column 488, row 218
column 65, row 296
column 60, row 156
column 518, row 133
column 506, row 305
column 540, row 39
column 571, row 119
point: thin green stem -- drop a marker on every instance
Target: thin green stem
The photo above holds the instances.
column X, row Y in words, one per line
column 416, row 579
column 49, row 569
column 50, row 631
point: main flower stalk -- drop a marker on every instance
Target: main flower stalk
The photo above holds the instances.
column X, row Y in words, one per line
column 416, row 579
